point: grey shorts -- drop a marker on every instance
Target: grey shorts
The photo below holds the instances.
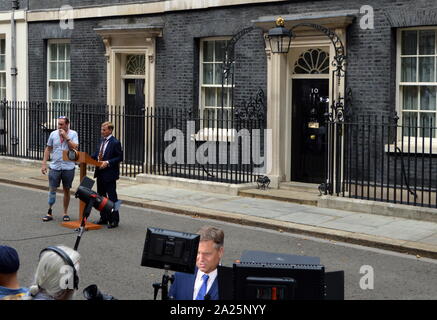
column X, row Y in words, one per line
column 55, row 177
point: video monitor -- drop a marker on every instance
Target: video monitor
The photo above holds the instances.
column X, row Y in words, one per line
column 269, row 288
column 171, row 250
column 274, row 281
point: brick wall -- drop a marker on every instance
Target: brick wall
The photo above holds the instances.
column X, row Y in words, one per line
column 88, row 64
column 371, row 53
column 5, row 5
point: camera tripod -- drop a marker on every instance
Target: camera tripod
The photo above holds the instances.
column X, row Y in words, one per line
column 163, row 285
column 85, row 215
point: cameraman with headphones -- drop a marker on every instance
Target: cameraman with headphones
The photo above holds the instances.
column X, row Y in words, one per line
column 56, row 276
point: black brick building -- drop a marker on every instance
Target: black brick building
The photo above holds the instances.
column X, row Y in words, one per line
column 371, row 72
column 391, row 68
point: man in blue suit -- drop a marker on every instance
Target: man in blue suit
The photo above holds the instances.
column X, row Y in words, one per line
column 110, row 153
column 203, row 284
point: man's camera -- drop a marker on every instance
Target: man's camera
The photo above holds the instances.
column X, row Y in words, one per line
column 93, row 293
column 92, row 198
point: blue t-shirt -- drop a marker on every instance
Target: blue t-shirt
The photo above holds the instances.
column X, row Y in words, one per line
column 12, row 293
column 58, row 147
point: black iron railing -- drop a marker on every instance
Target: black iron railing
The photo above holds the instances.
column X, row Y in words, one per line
column 163, row 141
column 379, row 159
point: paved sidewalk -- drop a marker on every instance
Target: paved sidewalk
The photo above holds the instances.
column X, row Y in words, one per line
column 392, row 233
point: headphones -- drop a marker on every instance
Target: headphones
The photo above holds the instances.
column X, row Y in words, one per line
column 67, row 260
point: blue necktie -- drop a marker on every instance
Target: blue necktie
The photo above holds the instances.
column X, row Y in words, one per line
column 202, row 290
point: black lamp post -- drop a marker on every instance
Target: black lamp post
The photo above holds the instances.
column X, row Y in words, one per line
column 279, row 37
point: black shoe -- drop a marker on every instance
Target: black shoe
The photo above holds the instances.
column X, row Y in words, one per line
column 113, row 225
column 101, row 222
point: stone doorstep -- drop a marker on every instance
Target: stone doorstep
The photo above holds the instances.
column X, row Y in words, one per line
column 311, row 188
column 345, row 204
column 281, row 195
column 196, row 185
column 379, row 208
column 21, row 162
column 291, row 191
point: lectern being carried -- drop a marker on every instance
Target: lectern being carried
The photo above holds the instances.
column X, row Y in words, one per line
column 83, row 159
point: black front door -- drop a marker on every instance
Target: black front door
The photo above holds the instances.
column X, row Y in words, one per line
column 310, row 103
column 134, row 121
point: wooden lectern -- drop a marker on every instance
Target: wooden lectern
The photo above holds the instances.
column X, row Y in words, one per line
column 83, row 159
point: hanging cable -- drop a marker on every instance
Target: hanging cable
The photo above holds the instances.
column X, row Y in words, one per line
column 40, row 237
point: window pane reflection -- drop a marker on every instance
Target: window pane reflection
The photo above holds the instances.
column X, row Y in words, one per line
column 409, row 42
column 426, row 69
column 408, row 70
column 428, row 98
column 427, row 42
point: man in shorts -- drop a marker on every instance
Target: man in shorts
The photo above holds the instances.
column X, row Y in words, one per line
column 59, row 140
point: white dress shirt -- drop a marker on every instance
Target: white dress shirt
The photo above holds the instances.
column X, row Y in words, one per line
column 105, row 144
column 198, row 282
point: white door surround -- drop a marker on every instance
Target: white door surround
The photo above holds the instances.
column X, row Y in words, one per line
column 280, row 76
column 120, row 41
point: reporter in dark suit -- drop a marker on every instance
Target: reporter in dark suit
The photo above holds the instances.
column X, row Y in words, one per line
column 203, row 284
column 109, row 152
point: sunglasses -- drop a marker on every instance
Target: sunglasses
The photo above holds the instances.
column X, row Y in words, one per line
column 65, row 118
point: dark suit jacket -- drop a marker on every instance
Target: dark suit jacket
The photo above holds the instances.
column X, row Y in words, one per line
column 183, row 287
column 114, row 155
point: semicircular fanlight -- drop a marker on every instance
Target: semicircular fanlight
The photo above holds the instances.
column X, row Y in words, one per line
column 135, row 64
column 312, row 61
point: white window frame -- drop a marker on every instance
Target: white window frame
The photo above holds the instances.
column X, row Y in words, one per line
column 50, row 81
column 3, row 72
column 410, row 145
column 211, row 133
